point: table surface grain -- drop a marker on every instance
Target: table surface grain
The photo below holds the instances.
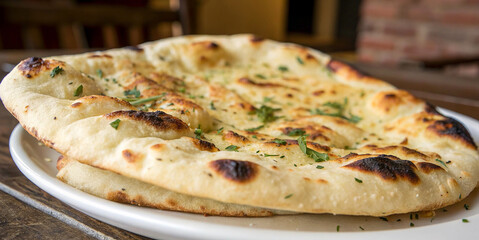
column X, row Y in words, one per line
column 27, row 212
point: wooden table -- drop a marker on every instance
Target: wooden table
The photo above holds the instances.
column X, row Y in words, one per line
column 28, row 212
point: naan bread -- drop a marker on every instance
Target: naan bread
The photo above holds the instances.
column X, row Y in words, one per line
column 367, row 147
column 115, row 187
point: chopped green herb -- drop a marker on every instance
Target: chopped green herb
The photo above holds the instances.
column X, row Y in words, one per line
column 282, row 156
column 383, row 218
column 279, row 141
column 55, row 71
column 339, row 111
column 296, row 132
column 362, row 229
column 257, row 151
column 319, row 167
column 78, row 91
column 212, row 106
column 337, row 228
column 198, row 133
column 267, row 99
column 411, row 224
column 260, row 76
column 358, row 180
column 441, row 162
column 114, row 80
column 466, row 206
column 416, row 215
column 220, row 130
column 288, row 196
column 266, row 114
column 115, row 123
column 182, row 90
column 410, row 216
column 232, row 148
column 465, row 220
column 100, row 73
column 300, row 61
column 136, row 102
column 283, row 68
column 318, row 157
column 271, row 155
column 254, row 129
column 254, row 136
column 132, row 92
column 295, row 165
column 460, row 195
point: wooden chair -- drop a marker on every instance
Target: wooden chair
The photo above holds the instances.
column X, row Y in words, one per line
column 62, row 24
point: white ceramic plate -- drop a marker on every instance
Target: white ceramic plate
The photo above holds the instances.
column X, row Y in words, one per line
column 37, row 162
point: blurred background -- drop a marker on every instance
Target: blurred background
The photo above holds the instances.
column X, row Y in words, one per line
column 429, row 47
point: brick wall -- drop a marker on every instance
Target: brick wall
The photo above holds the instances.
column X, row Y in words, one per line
column 393, row 31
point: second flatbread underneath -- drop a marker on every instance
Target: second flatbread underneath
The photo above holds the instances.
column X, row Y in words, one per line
column 118, row 188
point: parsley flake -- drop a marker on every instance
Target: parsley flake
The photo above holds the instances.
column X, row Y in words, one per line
column 465, row 220
column 254, row 129
column 283, row 68
column 100, row 73
column 300, row 61
column 466, row 206
column 337, row 228
column 318, row 157
column 78, row 91
column 198, row 133
column 271, row 155
column 212, row 106
column 266, row 114
column 260, row 76
column 232, row 148
column 279, row 141
column 132, row 92
column 358, row 180
column 296, row 132
column 182, row 90
column 115, row 123
column 288, row 196
column 336, row 109
column 441, row 162
column 411, row 224
column 55, row 71
column 220, row 130
column 136, row 102
column 319, row 167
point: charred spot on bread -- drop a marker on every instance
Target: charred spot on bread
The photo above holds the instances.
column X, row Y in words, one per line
column 235, row 170
column 33, row 66
column 204, row 145
column 159, row 120
column 452, row 128
column 247, row 81
column 130, row 156
column 235, row 137
column 387, row 167
column 428, row 167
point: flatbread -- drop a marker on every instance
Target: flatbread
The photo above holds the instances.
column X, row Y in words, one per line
column 115, row 187
column 370, row 148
